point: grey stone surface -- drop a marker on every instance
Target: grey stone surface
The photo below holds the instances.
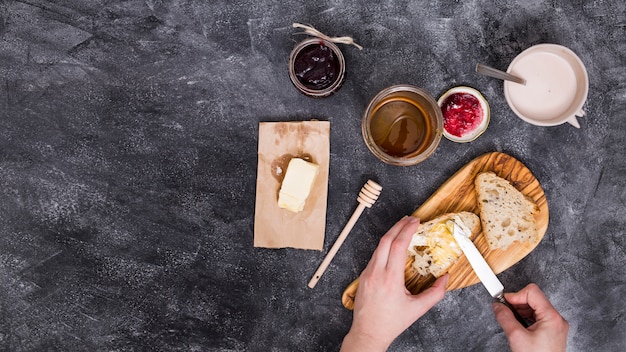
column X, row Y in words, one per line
column 128, row 138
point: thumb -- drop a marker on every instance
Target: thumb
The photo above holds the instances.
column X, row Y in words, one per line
column 432, row 295
column 507, row 320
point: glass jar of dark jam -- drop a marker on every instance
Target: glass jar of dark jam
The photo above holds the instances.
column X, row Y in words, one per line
column 316, row 67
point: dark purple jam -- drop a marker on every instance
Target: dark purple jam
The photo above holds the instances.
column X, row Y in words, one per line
column 316, row 66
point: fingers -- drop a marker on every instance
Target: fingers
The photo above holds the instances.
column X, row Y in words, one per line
column 548, row 332
column 397, row 253
column 435, row 293
column 507, row 320
column 441, row 283
column 382, row 252
column 525, row 312
column 431, row 296
column 532, row 297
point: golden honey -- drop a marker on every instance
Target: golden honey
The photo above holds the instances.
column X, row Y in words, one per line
column 402, row 125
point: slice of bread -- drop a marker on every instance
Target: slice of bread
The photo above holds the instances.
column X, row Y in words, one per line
column 434, row 247
column 506, row 214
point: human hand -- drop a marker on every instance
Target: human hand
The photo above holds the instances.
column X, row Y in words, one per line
column 383, row 307
column 548, row 333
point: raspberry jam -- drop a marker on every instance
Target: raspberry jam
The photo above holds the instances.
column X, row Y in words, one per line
column 462, row 114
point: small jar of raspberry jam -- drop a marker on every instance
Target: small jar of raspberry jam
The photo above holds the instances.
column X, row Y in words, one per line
column 317, row 67
column 465, row 114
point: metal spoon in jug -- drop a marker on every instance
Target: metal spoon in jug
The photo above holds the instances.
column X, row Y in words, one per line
column 492, row 72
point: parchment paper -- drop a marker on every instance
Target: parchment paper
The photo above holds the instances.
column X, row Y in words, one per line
column 278, row 143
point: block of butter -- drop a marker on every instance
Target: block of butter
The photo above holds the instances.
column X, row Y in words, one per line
column 297, row 184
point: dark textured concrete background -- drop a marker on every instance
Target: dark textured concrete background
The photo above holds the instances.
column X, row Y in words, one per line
column 128, row 140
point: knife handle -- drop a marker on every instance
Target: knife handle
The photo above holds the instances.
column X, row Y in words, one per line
column 501, row 299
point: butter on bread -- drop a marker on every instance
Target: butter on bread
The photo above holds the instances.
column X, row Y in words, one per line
column 433, row 245
column 297, row 184
column 506, row 214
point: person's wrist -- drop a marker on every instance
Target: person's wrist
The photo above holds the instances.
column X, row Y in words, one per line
column 358, row 341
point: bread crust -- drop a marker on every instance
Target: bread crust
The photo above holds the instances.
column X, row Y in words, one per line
column 506, row 214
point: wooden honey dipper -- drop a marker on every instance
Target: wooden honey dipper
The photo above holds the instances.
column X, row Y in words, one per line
column 368, row 195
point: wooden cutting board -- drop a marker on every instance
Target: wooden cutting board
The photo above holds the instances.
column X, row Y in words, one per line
column 458, row 194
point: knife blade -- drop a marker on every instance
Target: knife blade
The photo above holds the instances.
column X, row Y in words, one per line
column 482, row 269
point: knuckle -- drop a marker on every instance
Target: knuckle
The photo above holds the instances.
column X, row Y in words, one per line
column 517, row 335
column 397, row 246
column 533, row 286
column 384, row 241
column 367, row 279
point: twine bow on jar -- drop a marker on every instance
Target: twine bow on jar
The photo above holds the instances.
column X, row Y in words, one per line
column 314, row 32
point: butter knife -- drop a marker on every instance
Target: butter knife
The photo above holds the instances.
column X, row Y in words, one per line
column 482, row 269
